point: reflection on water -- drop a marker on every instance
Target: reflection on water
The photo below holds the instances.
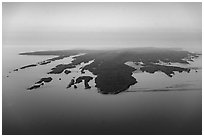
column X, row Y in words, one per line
column 53, row 109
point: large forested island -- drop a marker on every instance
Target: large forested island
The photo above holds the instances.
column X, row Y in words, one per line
column 113, row 75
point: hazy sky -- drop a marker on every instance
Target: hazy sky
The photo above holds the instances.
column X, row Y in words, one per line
column 102, row 24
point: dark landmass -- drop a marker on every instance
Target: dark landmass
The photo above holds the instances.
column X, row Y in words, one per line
column 67, row 71
column 60, row 68
column 168, row 70
column 15, row 70
column 86, row 80
column 112, row 75
column 82, row 70
column 28, row 66
column 34, row 87
column 75, row 86
column 44, row 80
column 44, row 62
column 40, row 83
column 70, row 83
column 59, row 57
column 53, row 53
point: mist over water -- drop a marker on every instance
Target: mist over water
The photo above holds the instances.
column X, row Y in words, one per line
column 103, row 25
column 157, row 104
column 53, row 109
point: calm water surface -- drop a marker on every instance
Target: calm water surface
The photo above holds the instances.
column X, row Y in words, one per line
column 53, row 109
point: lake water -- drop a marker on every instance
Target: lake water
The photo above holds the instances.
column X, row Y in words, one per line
column 53, row 109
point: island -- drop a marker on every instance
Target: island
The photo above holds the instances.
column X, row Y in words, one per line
column 44, row 80
column 39, row 83
column 112, row 73
column 28, row 66
column 44, row 62
column 168, row 70
column 86, row 80
column 60, row 68
column 67, row 71
column 34, row 86
column 70, row 83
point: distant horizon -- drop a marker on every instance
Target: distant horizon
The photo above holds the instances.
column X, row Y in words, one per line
column 24, row 48
column 102, row 25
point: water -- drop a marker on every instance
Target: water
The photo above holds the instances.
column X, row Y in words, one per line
column 53, row 109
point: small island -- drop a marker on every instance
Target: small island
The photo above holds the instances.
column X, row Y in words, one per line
column 70, row 83
column 39, row 83
column 168, row 70
column 86, row 80
column 67, row 71
column 60, row 68
column 28, row 66
column 34, row 86
column 44, row 80
column 44, row 62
